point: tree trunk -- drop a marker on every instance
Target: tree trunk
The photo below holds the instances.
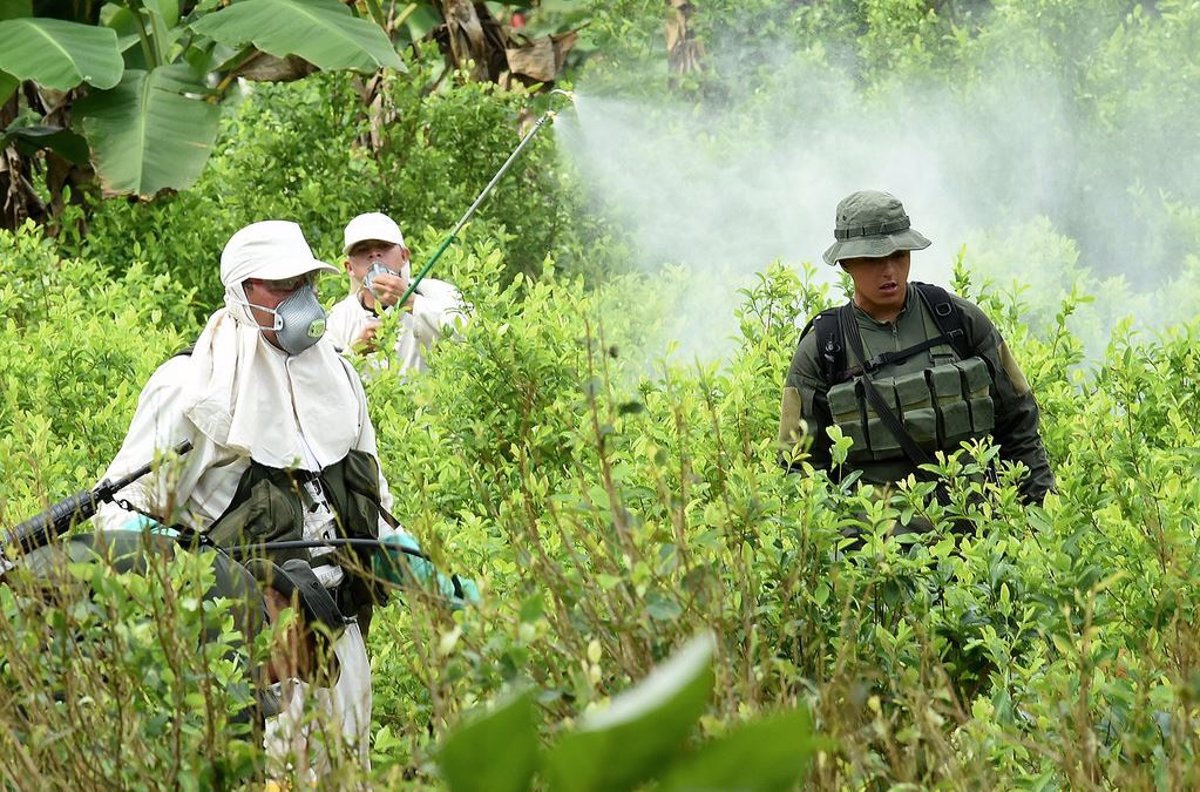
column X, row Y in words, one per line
column 19, row 199
column 685, row 52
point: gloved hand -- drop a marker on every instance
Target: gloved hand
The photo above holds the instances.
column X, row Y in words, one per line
column 395, row 566
column 140, row 522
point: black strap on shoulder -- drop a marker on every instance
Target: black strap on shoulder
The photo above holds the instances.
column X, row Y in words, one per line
column 948, row 318
column 913, row 451
column 187, row 350
column 946, row 315
column 831, row 355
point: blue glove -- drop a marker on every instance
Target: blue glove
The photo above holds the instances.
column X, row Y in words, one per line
column 140, row 523
column 393, row 565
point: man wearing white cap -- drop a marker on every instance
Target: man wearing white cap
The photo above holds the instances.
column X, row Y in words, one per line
column 377, row 261
column 283, row 449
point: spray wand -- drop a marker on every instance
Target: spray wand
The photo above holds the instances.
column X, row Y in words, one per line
column 546, row 116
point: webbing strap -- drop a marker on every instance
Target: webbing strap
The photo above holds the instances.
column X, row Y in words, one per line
column 888, row 358
column 914, row 452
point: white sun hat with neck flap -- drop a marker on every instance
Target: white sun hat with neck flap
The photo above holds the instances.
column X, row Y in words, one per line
column 270, row 250
column 372, row 225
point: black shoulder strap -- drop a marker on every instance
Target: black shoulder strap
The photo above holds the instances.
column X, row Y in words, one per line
column 946, row 315
column 187, row 350
column 951, row 330
column 831, row 354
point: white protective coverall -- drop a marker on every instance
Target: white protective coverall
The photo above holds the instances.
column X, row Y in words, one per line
column 438, row 307
column 239, row 398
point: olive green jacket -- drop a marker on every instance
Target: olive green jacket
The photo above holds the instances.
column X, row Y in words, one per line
column 805, row 404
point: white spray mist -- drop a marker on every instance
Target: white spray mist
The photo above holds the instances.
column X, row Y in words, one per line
column 726, row 193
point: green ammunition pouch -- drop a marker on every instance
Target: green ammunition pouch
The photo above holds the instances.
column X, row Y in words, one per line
column 939, row 408
column 268, row 507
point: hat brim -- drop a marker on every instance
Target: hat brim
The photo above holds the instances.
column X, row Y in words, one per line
column 876, row 246
column 347, row 247
column 291, row 269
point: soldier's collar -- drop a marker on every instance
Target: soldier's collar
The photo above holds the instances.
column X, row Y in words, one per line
column 908, row 299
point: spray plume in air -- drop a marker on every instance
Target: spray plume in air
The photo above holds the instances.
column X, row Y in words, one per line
column 1037, row 193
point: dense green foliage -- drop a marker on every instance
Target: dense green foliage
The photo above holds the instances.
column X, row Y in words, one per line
column 151, row 112
column 293, row 152
column 613, row 502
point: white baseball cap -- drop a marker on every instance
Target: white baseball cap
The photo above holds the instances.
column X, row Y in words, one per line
column 271, row 250
column 372, row 225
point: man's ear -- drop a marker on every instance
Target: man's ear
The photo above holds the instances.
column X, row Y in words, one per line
column 346, row 264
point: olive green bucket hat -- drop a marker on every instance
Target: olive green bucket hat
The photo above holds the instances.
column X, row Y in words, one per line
column 872, row 224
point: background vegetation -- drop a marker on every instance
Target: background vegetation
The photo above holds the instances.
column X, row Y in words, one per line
column 613, row 502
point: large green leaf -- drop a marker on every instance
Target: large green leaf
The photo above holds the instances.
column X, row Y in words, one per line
column 59, row 54
column 167, row 10
column 422, row 20
column 642, row 731
column 769, row 755
column 59, row 140
column 8, row 84
column 323, row 32
column 148, row 134
column 494, row 752
column 12, row 9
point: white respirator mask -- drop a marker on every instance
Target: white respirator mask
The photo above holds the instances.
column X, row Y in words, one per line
column 299, row 320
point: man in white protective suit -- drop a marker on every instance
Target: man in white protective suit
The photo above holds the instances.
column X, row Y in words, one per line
column 284, row 450
column 378, row 263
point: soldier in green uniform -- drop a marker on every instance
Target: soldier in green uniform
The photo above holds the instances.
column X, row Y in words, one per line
column 905, row 369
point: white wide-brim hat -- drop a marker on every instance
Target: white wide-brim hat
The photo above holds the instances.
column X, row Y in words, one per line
column 270, row 250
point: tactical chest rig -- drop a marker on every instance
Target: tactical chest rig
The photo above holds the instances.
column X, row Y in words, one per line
column 909, row 415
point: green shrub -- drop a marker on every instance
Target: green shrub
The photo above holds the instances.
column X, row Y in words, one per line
column 296, row 151
column 77, row 344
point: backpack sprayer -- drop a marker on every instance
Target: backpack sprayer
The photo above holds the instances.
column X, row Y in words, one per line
column 546, row 116
column 47, row 527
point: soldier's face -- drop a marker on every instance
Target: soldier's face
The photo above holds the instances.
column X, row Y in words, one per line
column 880, row 284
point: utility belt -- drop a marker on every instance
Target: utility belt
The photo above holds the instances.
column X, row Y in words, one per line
column 939, row 407
column 267, row 508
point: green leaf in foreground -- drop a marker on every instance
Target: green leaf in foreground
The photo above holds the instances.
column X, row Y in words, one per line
column 493, row 752
column 643, row 729
column 148, row 134
column 58, row 54
column 8, row 85
column 769, row 755
column 323, row 32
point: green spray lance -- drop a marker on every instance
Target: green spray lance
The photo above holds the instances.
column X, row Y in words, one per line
column 546, row 116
